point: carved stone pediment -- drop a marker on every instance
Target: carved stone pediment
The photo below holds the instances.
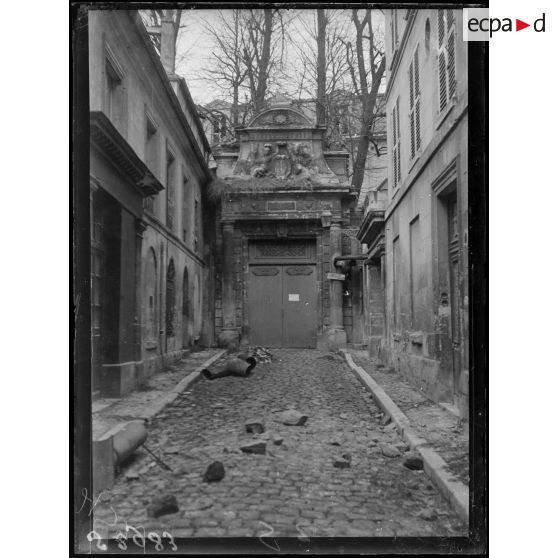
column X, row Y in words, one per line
column 280, row 117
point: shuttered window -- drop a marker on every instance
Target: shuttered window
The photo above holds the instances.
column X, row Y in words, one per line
column 396, row 148
column 447, row 82
column 170, row 185
column 394, row 32
column 414, row 104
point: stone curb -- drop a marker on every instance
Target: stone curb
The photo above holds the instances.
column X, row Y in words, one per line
column 434, row 466
column 157, row 406
column 184, row 384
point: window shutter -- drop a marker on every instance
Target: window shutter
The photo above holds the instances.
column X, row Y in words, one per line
column 449, row 18
column 442, row 80
column 394, row 148
column 451, row 65
column 441, row 29
column 411, row 89
column 398, row 142
column 412, row 135
column 417, row 101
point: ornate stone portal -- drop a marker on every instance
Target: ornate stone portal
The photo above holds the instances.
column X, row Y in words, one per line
column 279, row 189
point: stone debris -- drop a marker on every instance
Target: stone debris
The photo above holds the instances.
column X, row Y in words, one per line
column 337, row 441
column 215, row 472
column 341, row 462
column 277, row 440
column 261, row 354
column 413, row 462
column 254, row 447
column 385, row 420
column 389, row 451
column 402, row 446
column 343, row 416
column 347, row 456
column 162, row 505
column 255, row 426
column 131, row 475
column 292, row 418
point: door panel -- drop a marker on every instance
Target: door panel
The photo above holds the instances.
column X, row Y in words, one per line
column 282, row 306
column 299, row 303
column 264, row 306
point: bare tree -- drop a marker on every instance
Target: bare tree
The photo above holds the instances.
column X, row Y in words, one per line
column 366, row 62
column 322, row 71
column 227, row 70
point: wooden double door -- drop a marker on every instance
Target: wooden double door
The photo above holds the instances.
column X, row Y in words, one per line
column 282, row 305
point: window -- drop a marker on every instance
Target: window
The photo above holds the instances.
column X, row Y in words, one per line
column 414, row 103
column 171, row 300
column 394, row 32
column 196, row 224
column 416, row 257
column 151, row 154
column 184, row 205
column 113, row 94
column 170, row 184
column 446, row 57
column 396, row 282
column 396, row 147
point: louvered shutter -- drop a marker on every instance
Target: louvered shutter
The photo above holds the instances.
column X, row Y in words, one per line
column 411, row 112
column 449, row 18
column 394, row 148
column 451, row 65
column 417, row 102
column 442, row 81
column 398, row 142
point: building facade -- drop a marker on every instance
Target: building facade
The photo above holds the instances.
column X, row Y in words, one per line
column 416, row 232
column 150, row 242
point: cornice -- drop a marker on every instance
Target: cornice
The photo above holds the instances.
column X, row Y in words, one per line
column 107, row 138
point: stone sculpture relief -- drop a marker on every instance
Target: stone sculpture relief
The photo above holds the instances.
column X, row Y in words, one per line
column 287, row 161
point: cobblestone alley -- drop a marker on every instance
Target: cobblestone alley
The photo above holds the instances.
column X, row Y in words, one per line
column 292, row 490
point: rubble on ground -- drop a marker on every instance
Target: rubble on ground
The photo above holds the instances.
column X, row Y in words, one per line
column 292, row 418
column 257, row 447
column 214, row 472
column 162, row 505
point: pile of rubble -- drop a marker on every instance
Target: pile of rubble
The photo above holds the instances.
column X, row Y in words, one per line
column 261, row 354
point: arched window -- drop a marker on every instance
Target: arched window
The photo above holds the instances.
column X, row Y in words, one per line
column 150, row 296
column 171, row 300
column 185, row 310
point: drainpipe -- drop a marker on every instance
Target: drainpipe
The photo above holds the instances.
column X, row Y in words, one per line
column 337, row 336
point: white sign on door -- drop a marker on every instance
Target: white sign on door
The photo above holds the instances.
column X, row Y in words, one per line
column 294, row 297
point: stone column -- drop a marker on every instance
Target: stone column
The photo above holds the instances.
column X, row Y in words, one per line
column 337, row 337
column 229, row 336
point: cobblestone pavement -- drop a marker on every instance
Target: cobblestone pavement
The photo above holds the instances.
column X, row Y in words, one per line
column 293, row 490
column 444, row 431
